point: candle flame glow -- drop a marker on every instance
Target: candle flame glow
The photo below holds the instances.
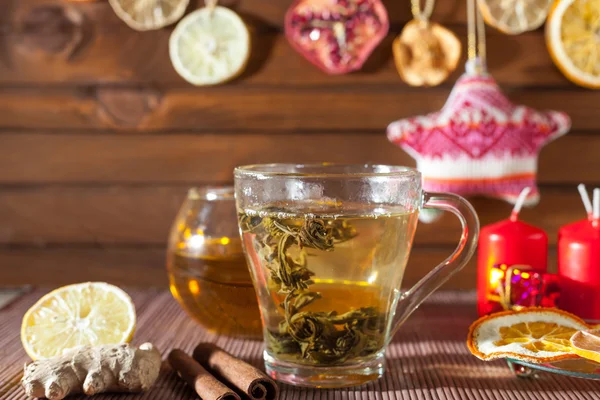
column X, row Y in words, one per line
column 496, row 275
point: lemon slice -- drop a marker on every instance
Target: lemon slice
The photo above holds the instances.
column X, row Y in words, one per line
column 515, row 16
column 145, row 15
column 573, row 40
column 586, row 344
column 210, row 46
column 536, row 335
column 91, row 313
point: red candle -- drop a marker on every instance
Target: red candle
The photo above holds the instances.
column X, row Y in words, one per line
column 579, row 264
column 509, row 242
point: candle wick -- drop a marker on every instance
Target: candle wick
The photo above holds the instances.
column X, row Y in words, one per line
column 596, row 208
column 585, row 198
column 519, row 204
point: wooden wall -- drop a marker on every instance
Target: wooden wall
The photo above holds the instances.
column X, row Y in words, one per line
column 99, row 137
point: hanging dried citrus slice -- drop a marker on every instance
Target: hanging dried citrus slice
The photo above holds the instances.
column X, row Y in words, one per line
column 146, row 15
column 573, row 40
column 425, row 53
column 515, row 16
column 536, row 335
column 586, row 344
column 209, row 47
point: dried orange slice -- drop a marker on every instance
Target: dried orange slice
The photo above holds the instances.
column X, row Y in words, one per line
column 586, row 344
column 573, row 40
column 425, row 53
column 515, row 16
column 145, row 15
column 536, row 335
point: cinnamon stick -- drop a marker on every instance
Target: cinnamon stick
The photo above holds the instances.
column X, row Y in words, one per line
column 205, row 385
column 239, row 374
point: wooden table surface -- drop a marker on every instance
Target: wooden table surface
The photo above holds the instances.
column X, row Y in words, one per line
column 427, row 359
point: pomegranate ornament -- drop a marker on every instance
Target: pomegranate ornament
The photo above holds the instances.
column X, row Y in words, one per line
column 336, row 35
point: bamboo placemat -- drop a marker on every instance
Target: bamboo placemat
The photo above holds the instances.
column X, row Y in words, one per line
column 427, row 359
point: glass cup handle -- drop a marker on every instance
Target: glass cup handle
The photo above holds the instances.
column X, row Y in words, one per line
column 411, row 299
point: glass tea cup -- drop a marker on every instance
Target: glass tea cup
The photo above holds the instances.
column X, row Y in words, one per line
column 208, row 274
column 327, row 247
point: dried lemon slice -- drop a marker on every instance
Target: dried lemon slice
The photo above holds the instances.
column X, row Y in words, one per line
column 586, row 344
column 573, row 40
column 515, row 16
column 426, row 53
column 145, row 15
column 91, row 313
column 536, row 335
column 210, row 46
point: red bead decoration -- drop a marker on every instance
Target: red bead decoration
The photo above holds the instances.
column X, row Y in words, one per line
column 520, row 286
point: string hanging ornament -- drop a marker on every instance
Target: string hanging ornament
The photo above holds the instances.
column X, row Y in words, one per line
column 425, row 52
column 336, row 35
column 479, row 143
column 210, row 45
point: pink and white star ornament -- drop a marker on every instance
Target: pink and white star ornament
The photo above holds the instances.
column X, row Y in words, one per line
column 479, row 143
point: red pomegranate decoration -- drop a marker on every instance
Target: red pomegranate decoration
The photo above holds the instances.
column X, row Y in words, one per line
column 336, row 35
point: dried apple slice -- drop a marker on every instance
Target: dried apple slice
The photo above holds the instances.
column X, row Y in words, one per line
column 426, row 53
column 336, row 35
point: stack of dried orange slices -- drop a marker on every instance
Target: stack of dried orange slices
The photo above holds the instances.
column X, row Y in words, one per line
column 535, row 335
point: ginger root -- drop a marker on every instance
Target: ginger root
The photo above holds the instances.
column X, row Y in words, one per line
column 91, row 370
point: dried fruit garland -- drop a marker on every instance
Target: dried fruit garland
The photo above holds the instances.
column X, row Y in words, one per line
column 339, row 35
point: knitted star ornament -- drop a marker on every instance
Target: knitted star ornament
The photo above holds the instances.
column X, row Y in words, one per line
column 479, row 143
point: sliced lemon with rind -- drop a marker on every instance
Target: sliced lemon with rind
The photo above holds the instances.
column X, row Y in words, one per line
column 515, row 16
column 145, row 15
column 536, row 335
column 210, row 46
column 586, row 344
column 92, row 313
column 573, row 40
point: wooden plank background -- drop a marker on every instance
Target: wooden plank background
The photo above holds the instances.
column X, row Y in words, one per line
column 100, row 138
